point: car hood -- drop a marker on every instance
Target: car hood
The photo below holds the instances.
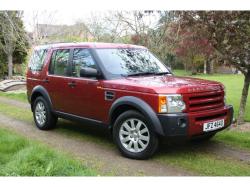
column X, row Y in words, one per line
column 163, row 84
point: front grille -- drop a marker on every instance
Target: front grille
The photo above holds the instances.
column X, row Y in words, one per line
column 210, row 117
column 205, row 101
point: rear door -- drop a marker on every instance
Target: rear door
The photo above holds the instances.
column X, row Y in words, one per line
column 57, row 80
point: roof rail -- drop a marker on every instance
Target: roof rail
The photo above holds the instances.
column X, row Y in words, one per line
column 50, row 43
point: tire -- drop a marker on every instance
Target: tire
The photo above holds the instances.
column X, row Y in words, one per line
column 47, row 119
column 138, row 142
column 203, row 138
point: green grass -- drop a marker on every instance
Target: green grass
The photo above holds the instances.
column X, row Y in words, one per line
column 66, row 127
column 179, row 72
column 233, row 84
column 204, row 163
column 17, row 96
column 196, row 161
column 22, row 157
column 17, row 113
column 235, row 138
column 187, row 158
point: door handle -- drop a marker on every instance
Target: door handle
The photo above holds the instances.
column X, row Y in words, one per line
column 46, row 80
column 72, row 84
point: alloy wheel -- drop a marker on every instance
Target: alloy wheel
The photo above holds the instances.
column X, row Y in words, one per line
column 134, row 135
column 40, row 113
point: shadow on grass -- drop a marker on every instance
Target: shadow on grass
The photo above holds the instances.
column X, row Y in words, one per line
column 176, row 147
column 102, row 136
column 86, row 131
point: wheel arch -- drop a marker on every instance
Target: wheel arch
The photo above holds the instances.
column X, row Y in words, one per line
column 40, row 91
column 133, row 103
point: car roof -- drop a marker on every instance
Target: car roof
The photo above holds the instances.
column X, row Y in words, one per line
column 88, row 45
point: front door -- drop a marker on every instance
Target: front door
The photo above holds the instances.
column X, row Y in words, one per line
column 85, row 95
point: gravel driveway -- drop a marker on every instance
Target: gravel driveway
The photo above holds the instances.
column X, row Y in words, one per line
column 106, row 159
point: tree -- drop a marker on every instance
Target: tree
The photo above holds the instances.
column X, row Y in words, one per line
column 138, row 24
column 3, row 65
column 12, row 36
column 193, row 49
column 38, row 17
column 229, row 34
column 165, row 38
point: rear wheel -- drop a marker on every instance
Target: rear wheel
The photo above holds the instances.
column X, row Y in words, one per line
column 43, row 117
column 134, row 135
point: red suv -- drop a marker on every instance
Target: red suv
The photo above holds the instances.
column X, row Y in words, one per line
column 125, row 88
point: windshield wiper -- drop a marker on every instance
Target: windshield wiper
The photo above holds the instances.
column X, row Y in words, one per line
column 141, row 73
column 148, row 73
column 163, row 73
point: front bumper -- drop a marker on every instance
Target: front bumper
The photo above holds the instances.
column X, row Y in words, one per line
column 189, row 125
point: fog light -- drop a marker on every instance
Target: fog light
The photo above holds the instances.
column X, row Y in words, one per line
column 182, row 123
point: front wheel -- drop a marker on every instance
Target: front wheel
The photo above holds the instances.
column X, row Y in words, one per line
column 134, row 135
column 44, row 118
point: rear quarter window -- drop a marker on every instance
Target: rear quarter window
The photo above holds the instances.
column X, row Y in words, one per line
column 37, row 60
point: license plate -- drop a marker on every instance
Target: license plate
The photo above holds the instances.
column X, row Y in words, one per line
column 213, row 125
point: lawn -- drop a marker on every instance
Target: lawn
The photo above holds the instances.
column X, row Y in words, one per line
column 66, row 127
column 235, row 138
column 193, row 160
column 187, row 158
column 12, row 95
column 204, row 163
column 22, row 157
column 233, row 84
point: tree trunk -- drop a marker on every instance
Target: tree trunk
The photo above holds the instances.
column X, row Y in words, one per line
column 211, row 67
column 243, row 100
column 185, row 66
column 10, row 66
column 205, row 67
column 193, row 69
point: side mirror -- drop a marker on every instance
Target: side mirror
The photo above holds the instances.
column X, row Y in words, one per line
column 89, row 72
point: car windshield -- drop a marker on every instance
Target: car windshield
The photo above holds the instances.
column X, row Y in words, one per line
column 130, row 62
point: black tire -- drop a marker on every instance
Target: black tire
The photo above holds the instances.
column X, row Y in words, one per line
column 50, row 119
column 152, row 143
column 203, row 138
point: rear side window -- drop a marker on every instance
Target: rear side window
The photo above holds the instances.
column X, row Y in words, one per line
column 59, row 62
column 37, row 60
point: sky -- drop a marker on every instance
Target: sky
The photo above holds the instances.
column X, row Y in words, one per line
column 66, row 17
column 31, row 17
column 69, row 13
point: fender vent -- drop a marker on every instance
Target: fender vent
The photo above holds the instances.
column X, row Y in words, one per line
column 109, row 95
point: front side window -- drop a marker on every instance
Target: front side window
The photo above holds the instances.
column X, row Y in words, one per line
column 130, row 61
column 37, row 60
column 59, row 62
column 82, row 59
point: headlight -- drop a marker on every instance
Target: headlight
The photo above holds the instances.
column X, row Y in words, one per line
column 171, row 103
